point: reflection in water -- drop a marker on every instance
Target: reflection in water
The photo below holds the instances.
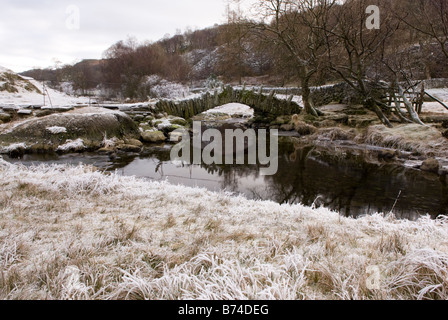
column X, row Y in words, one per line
column 306, row 175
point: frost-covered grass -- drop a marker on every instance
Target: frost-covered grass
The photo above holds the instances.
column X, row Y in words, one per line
column 409, row 137
column 75, row 233
column 168, row 90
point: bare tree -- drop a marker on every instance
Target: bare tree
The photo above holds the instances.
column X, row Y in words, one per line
column 355, row 52
column 429, row 18
column 128, row 64
column 233, row 51
column 353, row 49
column 298, row 27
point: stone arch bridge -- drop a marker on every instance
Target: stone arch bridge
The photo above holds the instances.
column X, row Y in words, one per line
column 267, row 105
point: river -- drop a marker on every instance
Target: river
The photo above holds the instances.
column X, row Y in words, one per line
column 348, row 184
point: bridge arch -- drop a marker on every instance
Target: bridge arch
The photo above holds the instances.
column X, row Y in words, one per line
column 261, row 103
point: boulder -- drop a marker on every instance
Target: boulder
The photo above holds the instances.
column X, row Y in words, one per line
column 16, row 150
column 175, row 136
column 106, row 150
column 153, row 136
column 179, row 122
column 443, row 172
column 387, row 155
column 72, row 146
column 25, row 112
column 445, row 134
column 304, row 129
column 279, row 121
column 59, row 109
column 139, row 118
column 10, row 108
column 74, row 131
column 134, row 142
column 361, row 121
column 445, row 124
column 5, row 117
column 43, row 113
column 41, row 148
column 169, row 128
column 430, row 165
column 339, row 118
column 93, row 125
column 287, row 127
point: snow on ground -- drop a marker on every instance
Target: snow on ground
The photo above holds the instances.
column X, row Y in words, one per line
column 441, row 94
column 13, row 147
column 94, row 110
column 57, row 130
column 162, row 123
column 3, row 69
column 296, row 99
column 434, row 107
column 25, row 97
column 232, row 109
column 33, row 98
column 72, row 145
column 75, row 233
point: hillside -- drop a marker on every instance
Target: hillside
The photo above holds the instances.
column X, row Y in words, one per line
column 13, row 83
column 20, row 90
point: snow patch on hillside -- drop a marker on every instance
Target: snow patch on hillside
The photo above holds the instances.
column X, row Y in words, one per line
column 57, row 130
column 3, row 69
column 31, row 97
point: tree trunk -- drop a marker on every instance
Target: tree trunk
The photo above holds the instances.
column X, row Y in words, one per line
column 306, row 94
column 398, row 110
column 412, row 113
column 372, row 105
column 308, row 102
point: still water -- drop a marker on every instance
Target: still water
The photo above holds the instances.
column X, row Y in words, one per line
column 312, row 177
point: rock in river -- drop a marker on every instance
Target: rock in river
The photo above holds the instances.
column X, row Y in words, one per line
column 153, row 136
column 88, row 124
column 431, row 165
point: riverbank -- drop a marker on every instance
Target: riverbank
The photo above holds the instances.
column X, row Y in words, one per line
column 76, row 233
column 343, row 130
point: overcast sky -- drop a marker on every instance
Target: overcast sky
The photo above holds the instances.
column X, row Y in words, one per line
column 35, row 33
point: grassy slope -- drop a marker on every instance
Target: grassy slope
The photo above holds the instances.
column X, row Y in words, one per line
column 72, row 233
column 13, row 83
